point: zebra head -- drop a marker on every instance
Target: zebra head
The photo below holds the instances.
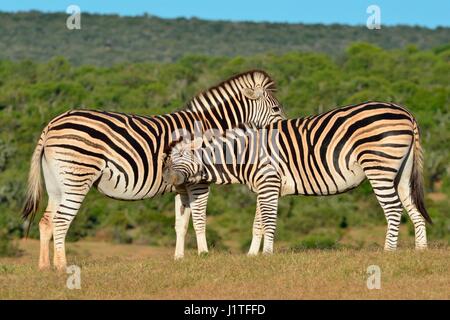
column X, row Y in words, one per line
column 181, row 164
column 262, row 106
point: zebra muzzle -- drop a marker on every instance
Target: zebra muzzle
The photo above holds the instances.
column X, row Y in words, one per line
column 173, row 177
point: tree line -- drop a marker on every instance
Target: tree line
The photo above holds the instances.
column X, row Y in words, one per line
column 110, row 39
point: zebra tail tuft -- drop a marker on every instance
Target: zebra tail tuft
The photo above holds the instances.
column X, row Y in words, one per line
column 34, row 191
column 416, row 180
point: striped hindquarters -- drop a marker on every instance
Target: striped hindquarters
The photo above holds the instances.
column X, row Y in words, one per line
column 333, row 152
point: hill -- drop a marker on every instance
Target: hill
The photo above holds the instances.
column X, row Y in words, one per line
column 109, row 39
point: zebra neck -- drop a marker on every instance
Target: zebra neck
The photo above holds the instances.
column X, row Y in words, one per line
column 219, row 116
column 228, row 160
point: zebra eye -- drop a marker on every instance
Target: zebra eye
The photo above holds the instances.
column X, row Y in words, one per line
column 276, row 109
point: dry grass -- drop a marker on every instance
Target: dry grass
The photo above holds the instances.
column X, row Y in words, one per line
column 140, row 272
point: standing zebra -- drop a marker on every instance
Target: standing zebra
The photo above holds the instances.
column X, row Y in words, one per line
column 121, row 155
column 318, row 155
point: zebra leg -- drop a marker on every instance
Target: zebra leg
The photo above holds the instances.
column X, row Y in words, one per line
column 404, row 191
column 66, row 212
column 257, row 234
column 416, row 218
column 198, row 197
column 182, row 214
column 46, row 222
column 45, row 233
column 74, row 188
column 389, row 201
column 268, row 206
column 393, row 214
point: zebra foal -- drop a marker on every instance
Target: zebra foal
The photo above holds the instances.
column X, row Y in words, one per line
column 318, row 155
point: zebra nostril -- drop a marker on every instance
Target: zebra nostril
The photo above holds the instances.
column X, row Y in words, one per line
column 176, row 178
column 171, row 177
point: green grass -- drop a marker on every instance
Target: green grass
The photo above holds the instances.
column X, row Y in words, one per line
column 139, row 272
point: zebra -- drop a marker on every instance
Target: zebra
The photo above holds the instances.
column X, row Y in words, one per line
column 318, row 155
column 121, row 155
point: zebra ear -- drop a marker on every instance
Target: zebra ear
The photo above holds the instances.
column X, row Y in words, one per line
column 253, row 93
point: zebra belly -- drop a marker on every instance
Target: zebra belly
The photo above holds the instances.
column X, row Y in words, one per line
column 317, row 187
column 353, row 178
column 113, row 184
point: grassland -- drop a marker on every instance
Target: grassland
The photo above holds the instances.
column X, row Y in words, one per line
column 110, row 271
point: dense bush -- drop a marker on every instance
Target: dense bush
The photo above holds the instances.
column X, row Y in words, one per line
column 31, row 94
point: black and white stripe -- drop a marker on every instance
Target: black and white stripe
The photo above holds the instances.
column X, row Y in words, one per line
column 318, row 155
column 121, row 154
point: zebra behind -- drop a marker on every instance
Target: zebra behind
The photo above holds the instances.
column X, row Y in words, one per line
column 318, row 155
column 121, row 155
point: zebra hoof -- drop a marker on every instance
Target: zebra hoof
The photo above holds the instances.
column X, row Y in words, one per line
column 60, row 268
column 178, row 257
column 203, row 254
column 44, row 267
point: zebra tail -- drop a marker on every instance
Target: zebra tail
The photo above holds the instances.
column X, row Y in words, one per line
column 34, row 190
column 416, row 179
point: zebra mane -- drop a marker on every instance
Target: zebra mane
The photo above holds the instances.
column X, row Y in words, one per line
column 267, row 83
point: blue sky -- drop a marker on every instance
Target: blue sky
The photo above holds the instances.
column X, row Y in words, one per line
column 430, row 13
